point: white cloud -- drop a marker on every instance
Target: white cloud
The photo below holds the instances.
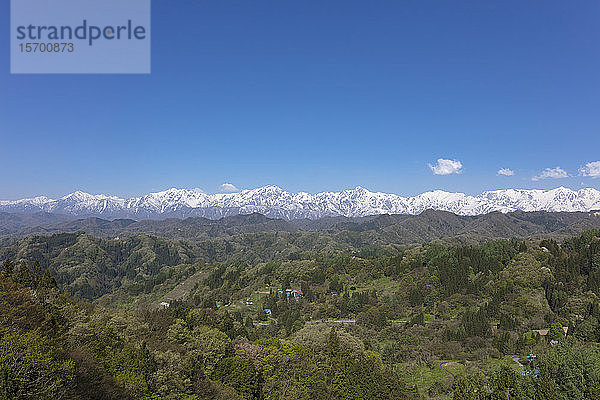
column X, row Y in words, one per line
column 506, row 172
column 591, row 169
column 446, row 167
column 553, row 173
column 229, row 188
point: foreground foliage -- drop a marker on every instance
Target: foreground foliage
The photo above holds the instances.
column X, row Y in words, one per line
column 429, row 321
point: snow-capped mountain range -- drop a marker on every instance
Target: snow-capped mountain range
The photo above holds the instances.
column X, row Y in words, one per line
column 275, row 202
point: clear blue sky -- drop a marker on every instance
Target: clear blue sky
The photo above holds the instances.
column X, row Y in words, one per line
column 315, row 95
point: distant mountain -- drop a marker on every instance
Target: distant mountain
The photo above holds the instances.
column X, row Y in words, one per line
column 275, row 202
column 14, row 222
column 361, row 231
column 92, row 256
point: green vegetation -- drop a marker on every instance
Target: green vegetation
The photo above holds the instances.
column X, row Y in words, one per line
column 284, row 315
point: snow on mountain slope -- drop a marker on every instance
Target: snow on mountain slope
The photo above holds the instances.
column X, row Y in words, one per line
column 276, row 202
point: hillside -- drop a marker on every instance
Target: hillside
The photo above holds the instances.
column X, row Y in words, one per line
column 255, row 315
column 381, row 229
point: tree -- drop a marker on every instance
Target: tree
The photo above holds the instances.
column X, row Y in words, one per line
column 8, row 267
column 374, row 317
column 333, row 343
column 31, row 367
column 504, row 384
column 556, row 331
column 470, row 387
column 574, row 368
column 211, row 345
column 288, row 371
column 238, row 372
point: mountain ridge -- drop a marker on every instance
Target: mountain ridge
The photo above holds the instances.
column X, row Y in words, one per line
column 381, row 229
column 275, row 202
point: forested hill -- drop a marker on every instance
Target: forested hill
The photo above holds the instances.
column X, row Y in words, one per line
column 248, row 307
column 115, row 254
column 91, row 267
column 299, row 316
column 403, row 229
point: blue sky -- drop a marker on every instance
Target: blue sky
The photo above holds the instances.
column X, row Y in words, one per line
column 317, row 96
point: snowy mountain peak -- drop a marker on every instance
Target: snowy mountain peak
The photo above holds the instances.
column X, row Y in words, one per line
column 273, row 201
column 80, row 196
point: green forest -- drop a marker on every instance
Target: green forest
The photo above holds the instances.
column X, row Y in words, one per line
column 298, row 316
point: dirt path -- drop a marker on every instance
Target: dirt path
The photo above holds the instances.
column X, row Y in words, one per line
column 333, row 321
